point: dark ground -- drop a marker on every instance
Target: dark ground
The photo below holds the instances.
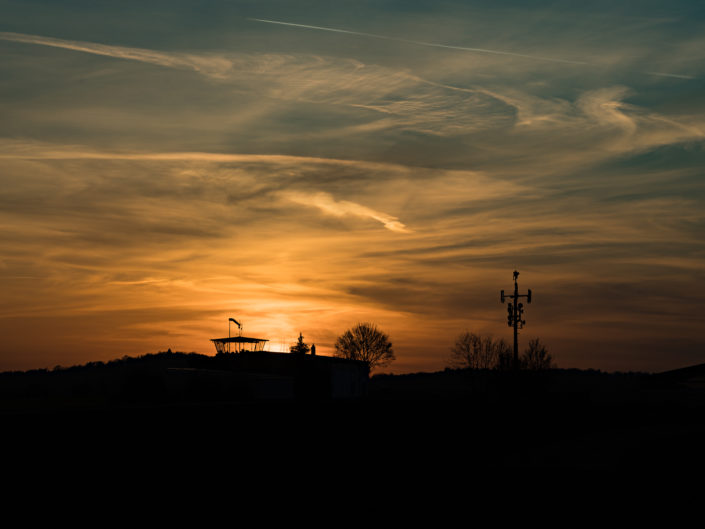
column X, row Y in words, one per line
column 454, row 420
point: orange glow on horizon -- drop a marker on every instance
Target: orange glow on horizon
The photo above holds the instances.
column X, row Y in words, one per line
column 303, row 182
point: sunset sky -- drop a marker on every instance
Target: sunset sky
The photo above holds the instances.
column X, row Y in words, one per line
column 304, row 166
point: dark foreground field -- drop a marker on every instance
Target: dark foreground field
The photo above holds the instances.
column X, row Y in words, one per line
column 446, row 420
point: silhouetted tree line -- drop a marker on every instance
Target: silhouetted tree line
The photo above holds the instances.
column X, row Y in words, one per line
column 364, row 342
column 175, row 359
column 476, row 351
column 126, row 380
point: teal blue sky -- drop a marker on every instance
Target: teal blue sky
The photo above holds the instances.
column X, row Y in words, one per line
column 303, row 166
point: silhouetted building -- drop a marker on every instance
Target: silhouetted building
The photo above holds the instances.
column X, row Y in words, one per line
column 262, row 374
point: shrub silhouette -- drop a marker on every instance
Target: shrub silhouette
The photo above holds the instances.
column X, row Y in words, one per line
column 536, row 357
column 475, row 351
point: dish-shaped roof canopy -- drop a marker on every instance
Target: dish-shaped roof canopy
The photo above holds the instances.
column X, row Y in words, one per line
column 239, row 339
column 239, row 344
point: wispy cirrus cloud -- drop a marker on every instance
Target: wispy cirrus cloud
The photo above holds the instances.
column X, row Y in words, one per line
column 212, row 66
column 284, row 174
column 341, row 208
column 399, row 98
column 507, row 53
column 395, row 98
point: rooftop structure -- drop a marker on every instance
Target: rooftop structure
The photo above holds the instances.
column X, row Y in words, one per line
column 238, row 344
column 255, row 373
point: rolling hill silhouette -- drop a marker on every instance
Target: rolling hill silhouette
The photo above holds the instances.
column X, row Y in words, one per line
column 558, row 417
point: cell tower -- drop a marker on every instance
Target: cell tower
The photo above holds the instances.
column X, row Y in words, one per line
column 515, row 314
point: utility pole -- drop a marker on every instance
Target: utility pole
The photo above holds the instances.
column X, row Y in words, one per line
column 515, row 313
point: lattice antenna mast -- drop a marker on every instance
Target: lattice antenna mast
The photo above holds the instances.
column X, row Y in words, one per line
column 515, row 314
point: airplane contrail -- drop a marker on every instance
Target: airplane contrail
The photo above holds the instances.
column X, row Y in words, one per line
column 419, row 42
column 447, row 46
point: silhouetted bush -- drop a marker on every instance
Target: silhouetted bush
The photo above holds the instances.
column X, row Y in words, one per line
column 475, row 351
column 536, row 357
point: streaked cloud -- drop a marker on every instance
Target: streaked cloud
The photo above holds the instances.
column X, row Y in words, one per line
column 460, row 48
column 400, row 99
column 212, row 66
column 327, row 204
column 409, row 100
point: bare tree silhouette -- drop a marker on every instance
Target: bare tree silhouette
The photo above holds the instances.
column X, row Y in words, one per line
column 536, row 357
column 476, row 351
column 367, row 343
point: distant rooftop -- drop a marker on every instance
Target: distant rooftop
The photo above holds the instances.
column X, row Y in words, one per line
column 222, row 345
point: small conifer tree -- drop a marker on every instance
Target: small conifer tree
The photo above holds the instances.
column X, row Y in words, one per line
column 300, row 347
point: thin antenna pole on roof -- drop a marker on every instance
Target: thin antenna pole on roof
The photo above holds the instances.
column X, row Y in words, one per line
column 239, row 326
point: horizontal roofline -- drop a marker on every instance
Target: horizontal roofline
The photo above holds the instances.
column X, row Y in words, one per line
column 239, row 339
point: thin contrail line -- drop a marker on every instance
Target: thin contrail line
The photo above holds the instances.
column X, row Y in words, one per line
column 447, row 46
column 419, row 42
